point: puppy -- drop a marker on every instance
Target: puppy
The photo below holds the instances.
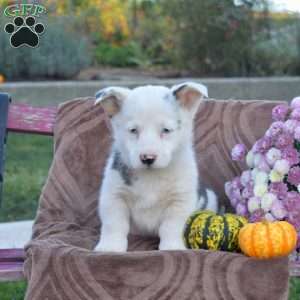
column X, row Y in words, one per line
column 151, row 183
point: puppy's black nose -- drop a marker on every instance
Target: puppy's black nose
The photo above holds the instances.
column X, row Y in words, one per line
column 148, row 159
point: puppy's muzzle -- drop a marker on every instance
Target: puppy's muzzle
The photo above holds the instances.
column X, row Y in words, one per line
column 148, row 159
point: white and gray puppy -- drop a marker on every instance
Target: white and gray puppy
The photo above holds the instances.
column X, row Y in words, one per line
column 151, row 182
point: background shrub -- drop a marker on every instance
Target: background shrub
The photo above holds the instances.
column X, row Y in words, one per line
column 61, row 53
column 153, row 31
column 213, row 37
column 117, row 55
column 219, row 38
column 278, row 53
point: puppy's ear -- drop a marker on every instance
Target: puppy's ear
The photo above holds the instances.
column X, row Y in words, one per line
column 112, row 99
column 189, row 94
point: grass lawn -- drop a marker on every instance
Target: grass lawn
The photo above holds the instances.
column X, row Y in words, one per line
column 28, row 158
column 27, row 162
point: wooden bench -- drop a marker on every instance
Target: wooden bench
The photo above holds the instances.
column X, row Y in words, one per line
column 19, row 118
column 23, row 118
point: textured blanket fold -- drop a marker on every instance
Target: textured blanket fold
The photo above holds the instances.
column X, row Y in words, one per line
column 59, row 261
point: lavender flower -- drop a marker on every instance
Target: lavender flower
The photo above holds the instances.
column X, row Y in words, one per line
column 267, row 201
column 236, row 183
column 282, row 166
column 292, row 202
column 269, row 217
column 263, row 165
column 273, row 155
column 295, row 115
column 262, row 145
column 247, row 192
column 294, row 176
column 280, row 189
column 291, row 155
column 257, row 216
column 236, row 194
column 290, row 126
column 250, row 159
column 246, row 178
column 284, row 140
column 254, row 171
column 275, row 129
column 257, row 158
column 233, row 201
column 262, row 192
column 260, row 189
column 280, row 112
column 261, row 178
column 295, row 102
column 241, row 209
column 294, row 218
column 238, row 152
column 266, row 143
column 254, row 204
column 274, row 176
column 278, row 210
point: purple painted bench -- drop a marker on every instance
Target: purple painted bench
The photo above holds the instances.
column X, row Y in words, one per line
column 24, row 118
column 28, row 119
column 11, row 264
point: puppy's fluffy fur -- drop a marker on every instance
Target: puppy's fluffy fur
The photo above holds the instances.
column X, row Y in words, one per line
column 151, row 182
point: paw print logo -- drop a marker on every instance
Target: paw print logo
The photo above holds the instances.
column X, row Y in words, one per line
column 24, row 32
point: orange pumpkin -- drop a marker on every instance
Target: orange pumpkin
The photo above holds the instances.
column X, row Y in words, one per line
column 2, row 78
column 267, row 239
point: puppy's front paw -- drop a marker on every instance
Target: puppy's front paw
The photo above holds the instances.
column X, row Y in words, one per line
column 112, row 246
column 172, row 245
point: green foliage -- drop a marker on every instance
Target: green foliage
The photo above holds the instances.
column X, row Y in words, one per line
column 212, row 35
column 152, row 30
column 218, row 38
column 278, row 54
column 117, row 55
column 294, row 289
column 12, row 290
column 61, row 53
column 27, row 162
column 207, row 37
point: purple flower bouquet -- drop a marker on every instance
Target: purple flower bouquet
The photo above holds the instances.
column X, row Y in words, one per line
column 270, row 188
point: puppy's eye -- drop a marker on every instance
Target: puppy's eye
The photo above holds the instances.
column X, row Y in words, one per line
column 166, row 130
column 133, row 130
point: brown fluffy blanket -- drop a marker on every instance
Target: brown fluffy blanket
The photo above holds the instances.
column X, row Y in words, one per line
column 59, row 261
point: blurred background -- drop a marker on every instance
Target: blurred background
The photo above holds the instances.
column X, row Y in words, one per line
column 166, row 38
column 241, row 49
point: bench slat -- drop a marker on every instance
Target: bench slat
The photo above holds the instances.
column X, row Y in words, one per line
column 24, row 118
column 11, row 271
column 11, row 255
column 11, row 264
